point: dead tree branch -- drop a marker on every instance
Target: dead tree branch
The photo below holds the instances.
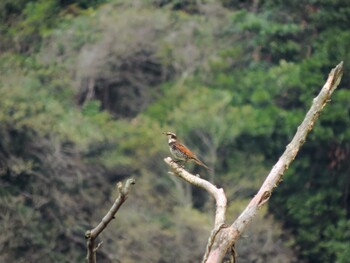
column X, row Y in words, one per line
column 92, row 234
column 223, row 237
column 217, row 193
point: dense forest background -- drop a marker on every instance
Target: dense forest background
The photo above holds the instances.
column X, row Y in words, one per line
column 87, row 88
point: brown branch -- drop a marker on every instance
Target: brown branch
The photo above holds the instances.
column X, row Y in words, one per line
column 223, row 237
column 92, row 234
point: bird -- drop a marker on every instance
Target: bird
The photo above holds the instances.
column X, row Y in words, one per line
column 181, row 152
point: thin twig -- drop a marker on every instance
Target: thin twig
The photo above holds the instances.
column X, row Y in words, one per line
column 92, row 234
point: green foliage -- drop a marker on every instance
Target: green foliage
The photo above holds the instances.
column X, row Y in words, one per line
column 338, row 246
column 25, row 23
column 41, row 136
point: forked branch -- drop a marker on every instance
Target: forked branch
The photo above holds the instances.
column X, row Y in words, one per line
column 92, row 234
column 223, row 236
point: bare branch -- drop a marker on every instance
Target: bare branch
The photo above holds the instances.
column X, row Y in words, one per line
column 230, row 235
column 91, row 235
column 217, row 193
column 274, row 177
column 223, row 237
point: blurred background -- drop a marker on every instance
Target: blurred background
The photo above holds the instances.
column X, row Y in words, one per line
column 88, row 87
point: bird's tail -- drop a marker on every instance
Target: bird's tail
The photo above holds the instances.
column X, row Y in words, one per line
column 201, row 163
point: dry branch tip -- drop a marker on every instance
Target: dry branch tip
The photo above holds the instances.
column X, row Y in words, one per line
column 120, row 187
column 336, row 74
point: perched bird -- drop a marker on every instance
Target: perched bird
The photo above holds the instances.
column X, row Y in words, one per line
column 181, row 152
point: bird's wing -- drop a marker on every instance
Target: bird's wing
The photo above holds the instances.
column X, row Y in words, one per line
column 185, row 150
column 191, row 155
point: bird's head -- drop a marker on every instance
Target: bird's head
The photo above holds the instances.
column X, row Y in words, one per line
column 171, row 136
